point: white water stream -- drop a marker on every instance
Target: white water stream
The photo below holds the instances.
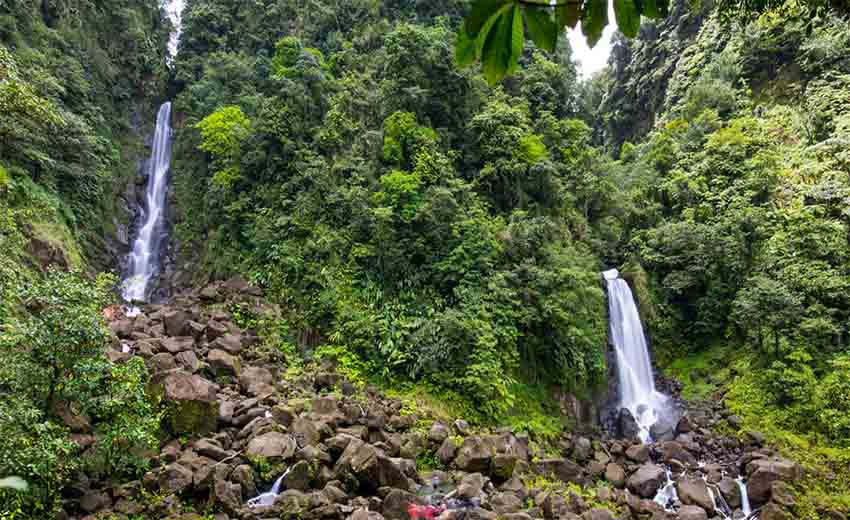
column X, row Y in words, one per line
column 143, row 262
column 268, row 498
column 634, row 368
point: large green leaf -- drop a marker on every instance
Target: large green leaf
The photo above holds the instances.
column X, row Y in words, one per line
column 499, row 44
column 517, row 39
column 465, row 50
column 594, row 18
column 568, row 14
column 628, row 17
column 480, row 13
column 541, row 27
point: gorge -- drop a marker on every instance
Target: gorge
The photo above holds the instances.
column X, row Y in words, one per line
column 323, row 260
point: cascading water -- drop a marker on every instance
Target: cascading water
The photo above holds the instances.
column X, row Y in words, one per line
column 745, row 499
column 143, row 262
column 634, row 368
column 267, row 498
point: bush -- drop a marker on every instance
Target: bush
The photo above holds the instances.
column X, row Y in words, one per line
column 51, row 368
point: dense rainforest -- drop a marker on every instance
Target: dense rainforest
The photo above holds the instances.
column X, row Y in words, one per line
column 438, row 236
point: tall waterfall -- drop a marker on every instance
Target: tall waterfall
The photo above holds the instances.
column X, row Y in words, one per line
column 634, row 368
column 143, row 262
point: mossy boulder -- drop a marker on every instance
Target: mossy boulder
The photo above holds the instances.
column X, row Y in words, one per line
column 190, row 401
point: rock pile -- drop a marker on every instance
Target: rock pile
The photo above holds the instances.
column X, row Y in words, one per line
column 235, row 425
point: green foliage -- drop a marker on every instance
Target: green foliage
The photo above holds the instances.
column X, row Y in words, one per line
column 415, row 223
column 222, row 134
column 494, row 30
column 52, row 360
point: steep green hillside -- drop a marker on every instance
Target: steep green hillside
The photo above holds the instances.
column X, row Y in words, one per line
column 400, row 209
column 72, row 76
column 735, row 210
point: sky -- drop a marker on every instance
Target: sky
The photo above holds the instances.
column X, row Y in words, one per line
column 591, row 60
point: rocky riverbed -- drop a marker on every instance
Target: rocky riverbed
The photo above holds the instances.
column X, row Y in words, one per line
column 236, row 424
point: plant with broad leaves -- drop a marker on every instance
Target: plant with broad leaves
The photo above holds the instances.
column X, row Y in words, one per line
column 494, row 31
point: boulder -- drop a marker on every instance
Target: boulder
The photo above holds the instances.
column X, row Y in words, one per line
column 190, row 401
column 731, row 492
column 505, row 503
column 223, row 364
column 210, row 448
column 195, row 329
column 471, row 486
column 615, row 474
column 692, row 513
column 256, row 380
column 122, row 328
column 474, row 455
column 228, row 495
column 627, row 426
column 161, row 362
column 395, row 505
column 693, row 491
column 582, row 449
column 672, row 450
column 215, row 329
column 305, row 431
column 298, row 476
column 662, row 430
column 188, row 361
column 231, row 343
column 598, row 514
column 438, row 433
column 178, row 344
column 391, row 472
column 773, row 511
column 762, row 473
column 562, row 469
column 646, row 480
column 685, row 425
column 274, row 446
column 446, row 452
column 243, row 475
column 282, row 414
column 176, row 322
column 175, row 479
column 638, row 452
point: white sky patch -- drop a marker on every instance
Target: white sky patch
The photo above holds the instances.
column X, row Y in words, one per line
column 590, row 61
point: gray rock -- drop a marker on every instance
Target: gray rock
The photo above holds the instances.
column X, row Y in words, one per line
column 646, row 480
column 764, row 472
column 692, row 513
column 471, row 486
column 191, row 401
column 615, row 474
column 446, row 452
column 223, row 364
column 175, row 323
column 693, row 491
column 274, row 446
column 475, row 455
column 298, row 477
column 175, row 478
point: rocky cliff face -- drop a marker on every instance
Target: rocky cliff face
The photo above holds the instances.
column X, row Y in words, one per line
column 642, row 70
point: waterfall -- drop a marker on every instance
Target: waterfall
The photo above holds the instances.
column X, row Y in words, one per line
column 634, row 368
column 174, row 10
column 143, row 262
column 267, row 498
column 745, row 498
